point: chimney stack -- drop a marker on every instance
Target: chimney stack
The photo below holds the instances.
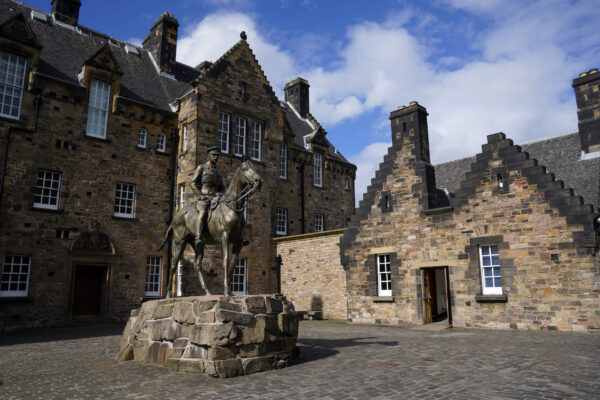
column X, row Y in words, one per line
column 161, row 42
column 66, row 11
column 296, row 93
column 587, row 95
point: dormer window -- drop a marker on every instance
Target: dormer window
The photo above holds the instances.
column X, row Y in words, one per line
column 12, row 77
column 98, row 109
column 142, row 138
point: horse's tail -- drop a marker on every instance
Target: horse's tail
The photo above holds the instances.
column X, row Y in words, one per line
column 168, row 236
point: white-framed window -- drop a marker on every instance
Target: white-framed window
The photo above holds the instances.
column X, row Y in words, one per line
column 142, row 138
column 318, row 223
column 12, row 78
column 153, row 274
column 281, row 221
column 161, row 144
column 15, row 276
column 98, row 109
column 255, row 141
column 491, row 279
column 318, row 169
column 239, row 147
column 124, row 200
column 184, row 138
column 224, row 122
column 283, row 160
column 181, row 195
column 238, row 278
column 179, row 278
column 47, row 189
column 384, row 275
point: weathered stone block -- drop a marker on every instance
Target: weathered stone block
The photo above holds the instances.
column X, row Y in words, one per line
column 235, row 317
column 163, row 311
column 274, row 305
column 213, row 334
column 193, row 351
column 203, row 305
column 186, row 365
column 157, row 353
column 220, row 353
column 224, row 304
column 258, row 364
column 183, row 312
column 206, row 317
column 255, row 305
column 224, row 368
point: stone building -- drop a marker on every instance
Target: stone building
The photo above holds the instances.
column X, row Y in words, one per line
column 492, row 241
column 99, row 139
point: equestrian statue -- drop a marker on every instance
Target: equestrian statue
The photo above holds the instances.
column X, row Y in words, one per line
column 216, row 218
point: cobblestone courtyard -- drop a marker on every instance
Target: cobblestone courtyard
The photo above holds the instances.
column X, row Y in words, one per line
column 337, row 361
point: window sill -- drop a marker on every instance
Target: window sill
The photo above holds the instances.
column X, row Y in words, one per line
column 141, row 148
column 47, row 210
column 439, row 210
column 96, row 138
column 162, row 153
column 491, row 298
column 384, row 299
column 148, row 298
column 133, row 219
column 16, row 299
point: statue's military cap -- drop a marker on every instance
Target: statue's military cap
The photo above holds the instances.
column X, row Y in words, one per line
column 214, row 149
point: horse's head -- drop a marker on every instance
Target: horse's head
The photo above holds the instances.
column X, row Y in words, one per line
column 251, row 175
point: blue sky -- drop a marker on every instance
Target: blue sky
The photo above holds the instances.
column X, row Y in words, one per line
column 478, row 66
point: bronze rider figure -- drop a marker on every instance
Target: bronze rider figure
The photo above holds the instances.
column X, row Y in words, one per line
column 207, row 185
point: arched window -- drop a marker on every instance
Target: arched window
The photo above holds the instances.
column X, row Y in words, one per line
column 161, row 145
column 142, row 137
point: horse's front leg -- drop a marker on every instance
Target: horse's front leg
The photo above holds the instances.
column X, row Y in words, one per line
column 225, row 251
column 198, row 268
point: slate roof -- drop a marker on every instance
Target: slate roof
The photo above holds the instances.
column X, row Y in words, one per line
column 560, row 155
column 65, row 50
column 300, row 127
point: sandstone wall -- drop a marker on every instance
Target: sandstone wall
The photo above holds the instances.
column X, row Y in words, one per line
column 312, row 276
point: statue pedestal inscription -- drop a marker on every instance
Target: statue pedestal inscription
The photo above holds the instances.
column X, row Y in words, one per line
column 215, row 335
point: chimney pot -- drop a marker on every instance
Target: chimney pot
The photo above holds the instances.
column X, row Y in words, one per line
column 66, row 11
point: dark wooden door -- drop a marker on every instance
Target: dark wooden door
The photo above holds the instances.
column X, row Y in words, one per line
column 429, row 296
column 88, row 289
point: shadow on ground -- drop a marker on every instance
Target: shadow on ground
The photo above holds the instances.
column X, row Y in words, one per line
column 41, row 335
column 316, row 349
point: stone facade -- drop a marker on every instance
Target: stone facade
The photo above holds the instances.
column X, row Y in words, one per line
column 161, row 116
column 312, row 276
column 544, row 235
column 218, row 336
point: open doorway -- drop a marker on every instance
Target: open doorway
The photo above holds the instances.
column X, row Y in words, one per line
column 90, row 288
column 436, row 304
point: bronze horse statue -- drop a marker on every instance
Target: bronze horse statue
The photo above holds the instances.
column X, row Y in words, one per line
column 225, row 226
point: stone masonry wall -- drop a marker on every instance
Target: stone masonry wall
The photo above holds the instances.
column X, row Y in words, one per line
column 312, row 276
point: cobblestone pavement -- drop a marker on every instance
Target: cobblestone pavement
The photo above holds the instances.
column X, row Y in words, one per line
column 337, row 361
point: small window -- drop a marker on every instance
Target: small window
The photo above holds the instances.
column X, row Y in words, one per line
column 346, row 183
column 490, row 269
column 500, row 181
column 318, row 223
column 281, row 226
column 384, row 275
column 47, row 189
column 181, row 195
column 239, row 148
column 124, row 200
column 255, row 141
column 283, row 161
column 238, row 278
column 153, row 274
column 142, row 138
column 161, row 144
column 98, row 109
column 224, row 132
column 243, row 88
column 12, row 78
column 184, row 138
column 318, row 169
column 15, row 276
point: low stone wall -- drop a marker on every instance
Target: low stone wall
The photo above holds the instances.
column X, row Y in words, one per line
column 215, row 335
column 312, row 276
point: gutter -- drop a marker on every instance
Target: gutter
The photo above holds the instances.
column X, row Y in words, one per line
column 301, row 169
column 36, row 102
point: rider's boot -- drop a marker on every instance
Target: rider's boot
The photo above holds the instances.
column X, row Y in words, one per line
column 198, row 239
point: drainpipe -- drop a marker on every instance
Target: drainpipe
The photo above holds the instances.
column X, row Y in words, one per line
column 37, row 100
column 301, row 169
column 173, row 166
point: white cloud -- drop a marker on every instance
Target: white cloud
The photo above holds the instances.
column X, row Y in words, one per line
column 367, row 162
column 210, row 38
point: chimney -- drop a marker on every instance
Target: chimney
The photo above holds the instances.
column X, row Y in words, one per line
column 410, row 124
column 66, row 11
column 587, row 95
column 161, row 42
column 296, row 93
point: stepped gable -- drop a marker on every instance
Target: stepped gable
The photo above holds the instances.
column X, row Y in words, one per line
column 364, row 206
column 554, row 191
column 213, row 70
column 65, row 49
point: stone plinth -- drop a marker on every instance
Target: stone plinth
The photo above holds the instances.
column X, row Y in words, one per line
column 215, row 335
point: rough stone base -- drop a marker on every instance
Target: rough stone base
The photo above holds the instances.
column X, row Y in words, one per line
column 214, row 335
